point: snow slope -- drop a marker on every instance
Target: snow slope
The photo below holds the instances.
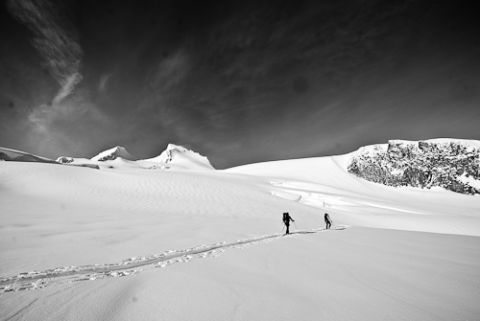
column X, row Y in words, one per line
column 9, row 154
column 324, row 183
column 125, row 243
column 441, row 141
column 470, row 144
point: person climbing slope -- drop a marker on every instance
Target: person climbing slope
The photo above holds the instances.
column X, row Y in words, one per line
column 286, row 220
column 328, row 221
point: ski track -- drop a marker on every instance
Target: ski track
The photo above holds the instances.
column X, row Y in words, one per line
column 34, row 280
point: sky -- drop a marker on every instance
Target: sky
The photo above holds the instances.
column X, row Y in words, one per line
column 240, row 82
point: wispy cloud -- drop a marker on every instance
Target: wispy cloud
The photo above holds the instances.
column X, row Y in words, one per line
column 102, row 84
column 67, row 86
column 54, row 42
column 68, row 127
column 169, row 72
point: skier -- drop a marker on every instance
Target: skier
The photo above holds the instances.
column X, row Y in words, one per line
column 286, row 220
column 328, row 221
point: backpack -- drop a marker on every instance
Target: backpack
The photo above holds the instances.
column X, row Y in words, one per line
column 327, row 217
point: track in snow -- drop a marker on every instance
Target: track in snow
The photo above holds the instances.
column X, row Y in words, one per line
column 39, row 279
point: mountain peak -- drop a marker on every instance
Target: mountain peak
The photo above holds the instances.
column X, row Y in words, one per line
column 179, row 157
column 180, row 148
column 113, row 153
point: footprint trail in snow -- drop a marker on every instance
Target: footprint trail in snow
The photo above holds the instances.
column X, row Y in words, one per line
column 67, row 274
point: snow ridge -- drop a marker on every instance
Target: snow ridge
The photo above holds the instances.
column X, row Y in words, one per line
column 179, row 157
column 8, row 154
column 174, row 157
column 113, row 153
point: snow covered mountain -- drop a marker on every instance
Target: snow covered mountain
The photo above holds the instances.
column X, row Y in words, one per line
column 452, row 164
column 113, row 153
column 173, row 157
column 178, row 157
column 107, row 159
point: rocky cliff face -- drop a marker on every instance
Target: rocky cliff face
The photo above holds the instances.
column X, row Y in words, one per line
column 451, row 164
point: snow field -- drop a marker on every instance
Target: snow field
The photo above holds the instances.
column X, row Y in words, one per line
column 323, row 183
column 354, row 274
column 61, row 226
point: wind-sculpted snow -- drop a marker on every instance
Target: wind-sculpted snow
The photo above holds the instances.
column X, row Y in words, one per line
column 453, row 165
column 39, row 279
column 8, row 154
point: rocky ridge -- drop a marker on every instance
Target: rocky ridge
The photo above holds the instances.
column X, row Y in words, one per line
column 450, row 164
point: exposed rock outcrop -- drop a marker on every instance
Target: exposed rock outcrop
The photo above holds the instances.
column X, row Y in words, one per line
column 451, row 164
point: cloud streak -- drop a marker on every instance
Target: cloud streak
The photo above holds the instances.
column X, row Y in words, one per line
column 56, row 45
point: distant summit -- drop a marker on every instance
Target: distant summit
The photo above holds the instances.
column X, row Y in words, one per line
column 113, row 153
column 179, row 157
column 174, row 157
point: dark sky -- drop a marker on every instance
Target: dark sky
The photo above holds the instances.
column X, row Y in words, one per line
column 240, row 82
